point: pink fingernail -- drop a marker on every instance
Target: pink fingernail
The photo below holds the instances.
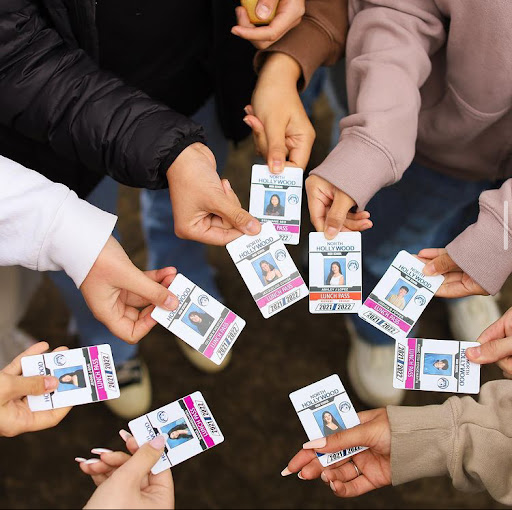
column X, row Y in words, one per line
column 333, row 487
column 315, row 444
column 99, row 451
column 158, row 442
column 324, row 478
column 50, row 383
column 299, row 474
column 125, row 435
column 80, row 459
column 474, row 352
column 92, row 461
column 286, row 472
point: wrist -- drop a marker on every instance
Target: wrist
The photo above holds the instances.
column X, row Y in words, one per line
column 189, row 155
column 280, row 68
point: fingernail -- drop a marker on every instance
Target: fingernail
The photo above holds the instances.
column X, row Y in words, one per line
column 125, row 435
column 252, row 227
column 331, row 232
column 332, row 486
column 247, row 122
column 246, row 110
column 277, row 165
column 324, row 478
column 315, row 444
column 99, row 451
column 299, row 474
column 157, row 443
column 50, row 383
column 92, row 461
column 228, row 185
column 170, row 303
column 263, row 12
column 286, row 472
column 80, row 459
column 429, row 269
column 473, row 352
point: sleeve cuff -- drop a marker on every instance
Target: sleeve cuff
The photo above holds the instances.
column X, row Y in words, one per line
column 359, row 167
column 422, row 440
column 76, row 237
column 480, row 252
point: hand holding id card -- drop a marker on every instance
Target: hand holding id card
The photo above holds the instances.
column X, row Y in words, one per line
column 435, row 365
column 402, row 294
column 324, row 408
column 187, row 423
column 85, row 375
column 200, row 320
column 277, row 198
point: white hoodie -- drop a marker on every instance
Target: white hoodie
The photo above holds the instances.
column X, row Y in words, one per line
column 44, row 226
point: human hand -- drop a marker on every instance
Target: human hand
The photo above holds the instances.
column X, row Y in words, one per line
column 496, row 345
column 126, row 481
column 287, row 16
column 15, row 415
column 281, row 127
column 329, row 209
column 456, row 282
column 373, row 465
column 115, row 289
column 203, row 209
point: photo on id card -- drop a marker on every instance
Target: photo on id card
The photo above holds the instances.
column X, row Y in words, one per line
column 268, row 270
column 200, row 320
column 402, row 294
column 277, row 198
column 335, row 273
column 435, row 365
column 188, row 425
column 85, row 375
column 324, row 408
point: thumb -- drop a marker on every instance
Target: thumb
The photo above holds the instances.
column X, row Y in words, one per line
column 440, row 265
column 15, row 387
column 490, row 352
column 230, row 211
column 265, row 8
column 349, row 438
column 144, row 459
column 277, row 151
column 337, row 214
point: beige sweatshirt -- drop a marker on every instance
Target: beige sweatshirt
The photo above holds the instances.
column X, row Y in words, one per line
column 430, row 79
column 469, row 441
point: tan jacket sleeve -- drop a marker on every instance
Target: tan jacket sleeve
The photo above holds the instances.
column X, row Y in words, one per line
column 469, row 441
column 318, row 40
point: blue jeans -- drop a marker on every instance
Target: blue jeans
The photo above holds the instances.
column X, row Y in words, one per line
column 424, row 210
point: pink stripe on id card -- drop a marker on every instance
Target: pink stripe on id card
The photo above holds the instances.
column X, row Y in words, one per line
column 411, row 363
column 199, row 423
column 96, row 370
column 220, row 333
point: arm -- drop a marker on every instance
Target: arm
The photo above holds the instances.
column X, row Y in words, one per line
column 56, row 94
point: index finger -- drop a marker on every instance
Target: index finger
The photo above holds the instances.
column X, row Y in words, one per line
column 493, row 332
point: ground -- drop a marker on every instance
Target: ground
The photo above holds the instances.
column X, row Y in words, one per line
column 250, row 398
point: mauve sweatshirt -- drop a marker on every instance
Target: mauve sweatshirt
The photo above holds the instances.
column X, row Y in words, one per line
column 430, row 80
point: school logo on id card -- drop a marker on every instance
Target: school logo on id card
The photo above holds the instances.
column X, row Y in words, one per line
column 200, row 320
column 435, row 365
column 187, row 423
column 268, row 270
column 85, row 375
column 335, row 273
column 277, row 198
column 324, row 408
column 400, row 297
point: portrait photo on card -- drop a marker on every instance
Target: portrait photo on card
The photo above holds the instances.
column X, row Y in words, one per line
column 401, row 294
column 335, row 271
column 266, row 269
column 274, row 203
column 197, row 319
column 329, row 420
column 437, row 364
column 70, row 378
column 178, row 433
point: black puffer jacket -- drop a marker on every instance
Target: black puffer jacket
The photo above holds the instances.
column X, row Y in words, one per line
column 63, row 116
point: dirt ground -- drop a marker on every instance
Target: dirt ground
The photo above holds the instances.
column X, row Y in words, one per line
column 250, row 398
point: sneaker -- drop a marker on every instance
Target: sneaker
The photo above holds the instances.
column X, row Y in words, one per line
column 12, row 344
column 202, row 362
column 468, row 317
column 370, row 369
column 135, row 386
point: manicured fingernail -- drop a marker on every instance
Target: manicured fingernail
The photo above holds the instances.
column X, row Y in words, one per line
column 246, row 120
column 125, row 435
column 299, row 474
column 170, row 303
column 333, row 487
column 246, row 110
column 99, row 451
column 429, row 269
column 50, row 383
column 92, row 461
column 158, row 443
column 252, row 227
column 315, row 444
column 473, row 352
column 80, row 459
column 263, row 11
column 277, row 165
column 324, row 478
column 331, row 232
column 286, row 472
